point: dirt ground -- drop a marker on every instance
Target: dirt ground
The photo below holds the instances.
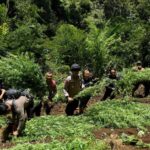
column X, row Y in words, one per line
column 59, row 108
column 145, row 100
column 112, row 136
column 8, row 144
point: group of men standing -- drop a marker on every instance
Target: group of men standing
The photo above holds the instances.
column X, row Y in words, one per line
column 22, row 105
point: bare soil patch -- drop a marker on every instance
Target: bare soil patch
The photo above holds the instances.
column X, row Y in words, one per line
column 143, row 100
column 111, row 136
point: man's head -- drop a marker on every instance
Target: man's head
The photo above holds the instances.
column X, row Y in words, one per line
column 3, row 109
column 49, row 75
column 87, row 74
column 75, row 68
column 113, row 72
column 139, row 65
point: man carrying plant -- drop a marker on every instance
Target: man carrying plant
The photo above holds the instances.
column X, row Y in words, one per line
column 87, row 81
column 138, row 66
column 112, row 78
column 73, row 85
column 141, row 89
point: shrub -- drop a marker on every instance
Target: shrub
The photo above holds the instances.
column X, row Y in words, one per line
column 19, row 71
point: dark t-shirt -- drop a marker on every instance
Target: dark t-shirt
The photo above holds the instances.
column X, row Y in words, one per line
column 87, row 82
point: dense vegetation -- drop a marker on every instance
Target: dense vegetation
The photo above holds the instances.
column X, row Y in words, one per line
column 130, row 78
column 36, row 36
column 77, row 132
column 99, row 33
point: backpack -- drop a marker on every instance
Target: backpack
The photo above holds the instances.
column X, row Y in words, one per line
column 27, row 94
column 12, row 94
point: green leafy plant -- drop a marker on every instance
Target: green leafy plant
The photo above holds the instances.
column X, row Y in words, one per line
column 92, row 90
column 133, row 140
column 76, row 143
column 119, row 114
column 2, row 121
column 21, row 72
column 60, row 131
column 131, row 78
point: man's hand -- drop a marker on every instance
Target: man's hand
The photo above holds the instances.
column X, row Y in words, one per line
column 15, row 133
column 70, row 99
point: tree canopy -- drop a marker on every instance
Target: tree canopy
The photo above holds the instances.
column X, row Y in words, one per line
column 94, row 33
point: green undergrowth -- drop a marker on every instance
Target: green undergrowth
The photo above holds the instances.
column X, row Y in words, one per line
column 73, row 144
column 76, row 132
column 2, row 121
column 119, row 114
column 59, row 97
column 59, row 133
column 56, row 127
column 92, row 90
column 131, row 78
column 134, row 140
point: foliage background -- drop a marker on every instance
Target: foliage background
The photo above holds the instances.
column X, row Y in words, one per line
column 36, row 36
column 95, row 34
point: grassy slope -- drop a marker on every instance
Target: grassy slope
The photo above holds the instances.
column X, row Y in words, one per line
column 75, row 132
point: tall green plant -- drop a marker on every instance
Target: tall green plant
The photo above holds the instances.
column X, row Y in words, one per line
column 98, row 43
column 69, row 42
column 3, row 13
column 75, row 11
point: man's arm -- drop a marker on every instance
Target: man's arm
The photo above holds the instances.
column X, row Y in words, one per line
column 55, row 88
column 66, row 86
column 65, row 90
column 2, row 94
